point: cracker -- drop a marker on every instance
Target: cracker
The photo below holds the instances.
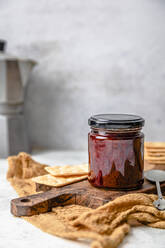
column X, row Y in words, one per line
column 154, row 151
column 154, row 158
column 57, row 181
column 155, row 145
column 162, row 152
column 154, row 155
column 68, row 170
column 156, row 162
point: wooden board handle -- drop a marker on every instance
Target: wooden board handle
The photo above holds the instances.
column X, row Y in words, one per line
column 42, row 202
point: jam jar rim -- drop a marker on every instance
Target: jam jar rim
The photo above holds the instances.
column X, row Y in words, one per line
column 119, row 130
column 116, row 121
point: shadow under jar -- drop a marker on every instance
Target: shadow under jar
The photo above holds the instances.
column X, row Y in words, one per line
column 116, row 151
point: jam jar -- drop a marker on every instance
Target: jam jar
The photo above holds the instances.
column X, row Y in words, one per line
column 116, row 151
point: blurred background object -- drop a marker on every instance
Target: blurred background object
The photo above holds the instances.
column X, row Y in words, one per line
column 94, row 57
column 13, row 78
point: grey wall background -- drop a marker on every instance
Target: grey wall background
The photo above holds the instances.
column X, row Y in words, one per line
column 94, row 57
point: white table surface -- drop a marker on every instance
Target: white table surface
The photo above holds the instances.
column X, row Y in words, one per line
column 17, row 233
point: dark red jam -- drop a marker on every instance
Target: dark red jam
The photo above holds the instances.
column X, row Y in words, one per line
column 116, row 147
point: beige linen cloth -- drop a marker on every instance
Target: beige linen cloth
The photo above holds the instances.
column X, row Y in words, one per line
column 105, row 226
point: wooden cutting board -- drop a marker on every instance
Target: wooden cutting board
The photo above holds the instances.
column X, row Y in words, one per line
column 80, row 193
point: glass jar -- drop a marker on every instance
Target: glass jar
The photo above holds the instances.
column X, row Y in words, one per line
column 116, row 151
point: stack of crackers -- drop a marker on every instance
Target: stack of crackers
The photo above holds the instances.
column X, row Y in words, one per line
column 154, row 152
column 59, row 176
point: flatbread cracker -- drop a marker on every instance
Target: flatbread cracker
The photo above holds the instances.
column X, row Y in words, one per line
column 159, row 145
column 156, row 162
column 154, row 158
column 68, row 170
column 57, row 181
column 155, row 155
column 155, row 150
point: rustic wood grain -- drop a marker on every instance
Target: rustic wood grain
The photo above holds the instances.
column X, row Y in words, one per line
column 80, row 193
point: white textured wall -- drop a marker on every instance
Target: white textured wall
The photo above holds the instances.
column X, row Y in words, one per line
column 94, row 57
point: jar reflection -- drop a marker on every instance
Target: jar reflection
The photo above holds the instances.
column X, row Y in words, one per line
column 116, row 158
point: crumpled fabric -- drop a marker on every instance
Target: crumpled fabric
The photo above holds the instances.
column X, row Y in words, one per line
column 104, row 227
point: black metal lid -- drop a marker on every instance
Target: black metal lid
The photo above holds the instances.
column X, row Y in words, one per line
column 116, row 121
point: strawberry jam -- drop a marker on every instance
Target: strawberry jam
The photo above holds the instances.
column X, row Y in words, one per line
column 116, row 148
